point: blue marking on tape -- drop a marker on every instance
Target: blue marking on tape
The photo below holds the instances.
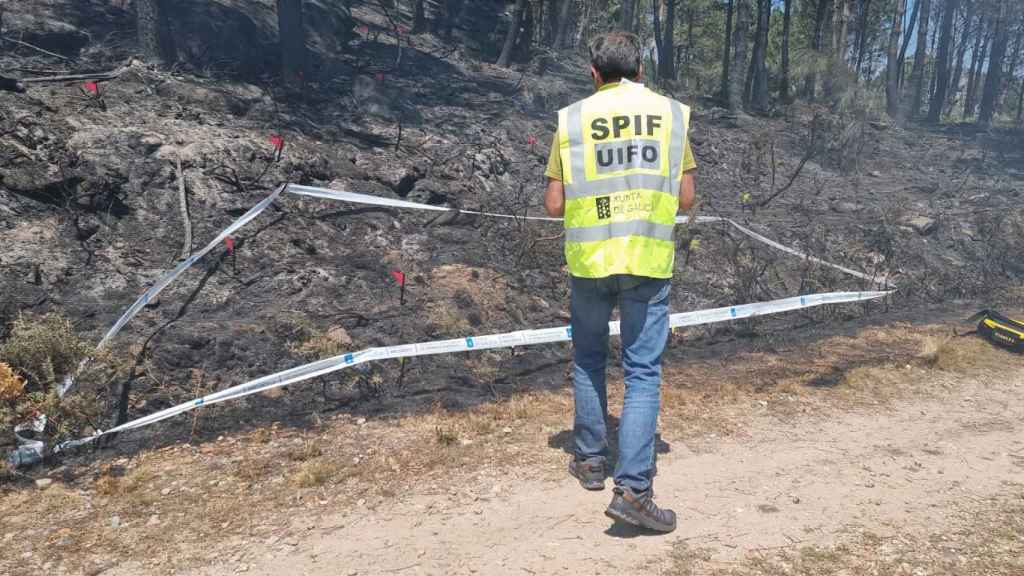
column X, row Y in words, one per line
column 569, row 331
column 732, row 311
column 469, row 342
column 803, row 301
column 349, row 359
column 199, row 402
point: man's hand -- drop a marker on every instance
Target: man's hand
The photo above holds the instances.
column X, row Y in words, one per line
column 554, row 199
column 687, row 192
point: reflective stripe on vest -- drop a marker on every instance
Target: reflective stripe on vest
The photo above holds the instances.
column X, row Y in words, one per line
column 622, row 194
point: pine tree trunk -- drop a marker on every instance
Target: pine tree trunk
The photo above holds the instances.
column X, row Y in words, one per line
column 513, row 32
column 996, row 60
column 862, row 34
column 564, row 18
column 727, row 53
column 842, row 34
column 154, row 30
column 961, row 55
column 419, row 19
column 667, row 58
column 974, row 75
column 739, row 60
column 932, row 83
column 293, row 41
column 656, row 6
column 831, row 49
column 817, row 43
column 446, row 15
column 550, row 26
column 892, row 87
column 1020, row 103
column 627, row 17
column 917, row 73
column 759, row 89
column 583, row 30
column 1018, row 46
column 912, row 23
column 942, row 75
column 787, row 17
column 688, row 60
column 524, row 40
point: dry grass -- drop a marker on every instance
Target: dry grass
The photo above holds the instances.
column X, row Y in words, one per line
column 324, row 344
column 987, row 542
column 12, row 386
column 446, row 436
column 258, row 474
column 462, row 299
column 314, row 473
column 964, row 355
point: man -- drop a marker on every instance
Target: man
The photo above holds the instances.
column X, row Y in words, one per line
column 619, row 172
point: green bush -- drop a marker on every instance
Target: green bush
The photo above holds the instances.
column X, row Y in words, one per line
column 39, row 353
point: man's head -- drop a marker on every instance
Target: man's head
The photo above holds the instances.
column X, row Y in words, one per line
column 615, row 56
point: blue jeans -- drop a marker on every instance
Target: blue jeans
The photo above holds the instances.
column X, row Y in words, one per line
column 643, row 308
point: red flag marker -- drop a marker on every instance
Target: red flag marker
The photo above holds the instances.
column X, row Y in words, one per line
column 379, row 76
column 399, row 277
column 92, row 87
column 531, row 140
column 277, row 141
column 229, row 243
column 402, row 30
column 364, row 29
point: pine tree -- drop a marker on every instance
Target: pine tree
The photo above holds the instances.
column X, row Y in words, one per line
column 892, row 86
column 513, row 32
column 917, row 73
column 942, row 64
column 154, row 30
column 787, row 26
column 996, row 60
column 739, row 59
column 293, row 40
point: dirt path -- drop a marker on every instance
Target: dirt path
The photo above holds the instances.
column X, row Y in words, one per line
column 908, row 467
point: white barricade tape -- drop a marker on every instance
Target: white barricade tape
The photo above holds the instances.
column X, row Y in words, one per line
column 471, row 343
column 366, row 199
column 166, row 279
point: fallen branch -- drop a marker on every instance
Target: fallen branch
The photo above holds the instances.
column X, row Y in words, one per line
column 792, row 178
column 36, row 48
column 186, row 248
column 112, row 75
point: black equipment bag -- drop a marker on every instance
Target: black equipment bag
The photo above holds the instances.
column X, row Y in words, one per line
column 1000, row 330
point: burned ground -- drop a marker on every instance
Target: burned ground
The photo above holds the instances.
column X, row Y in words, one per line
column 89, row 216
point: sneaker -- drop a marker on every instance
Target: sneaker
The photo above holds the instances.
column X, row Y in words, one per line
column 640, row 510
column 589, row 472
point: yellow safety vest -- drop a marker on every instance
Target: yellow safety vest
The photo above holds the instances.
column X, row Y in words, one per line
column 622, row 157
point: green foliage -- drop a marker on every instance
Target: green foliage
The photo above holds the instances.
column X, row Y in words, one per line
column 40, row 353
column 44, row 349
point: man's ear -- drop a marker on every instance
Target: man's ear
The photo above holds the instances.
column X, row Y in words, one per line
column 598, row 81
column 640, row 74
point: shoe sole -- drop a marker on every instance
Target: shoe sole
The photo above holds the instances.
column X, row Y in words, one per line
column 595, row 487
column 621, row 516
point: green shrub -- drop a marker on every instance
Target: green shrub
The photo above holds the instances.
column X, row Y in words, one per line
column 38, row 354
